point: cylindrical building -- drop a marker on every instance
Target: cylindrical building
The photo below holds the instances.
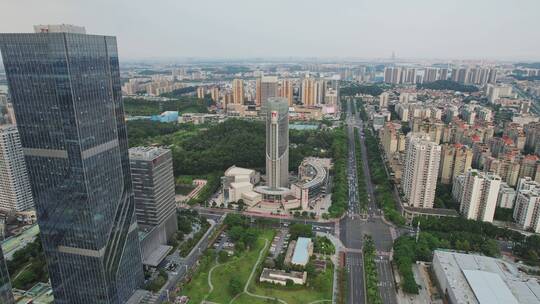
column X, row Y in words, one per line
column 277, row 142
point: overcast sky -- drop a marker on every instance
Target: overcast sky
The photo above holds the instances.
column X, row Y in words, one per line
column 472, row 29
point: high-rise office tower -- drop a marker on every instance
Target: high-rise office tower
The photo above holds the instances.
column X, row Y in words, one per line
column 479, row 195
column 266, row 87
column 286, row 90
column 6, row 297
column 238, row 91
column 421, row 168
column 308, row 88
column 277, row 143
column 15, row 191
column 65, row 89
column 153, row 185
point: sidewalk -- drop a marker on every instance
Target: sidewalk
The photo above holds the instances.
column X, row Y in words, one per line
column 335, row 259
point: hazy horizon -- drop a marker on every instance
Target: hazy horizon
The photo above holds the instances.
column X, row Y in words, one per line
column 280, row 29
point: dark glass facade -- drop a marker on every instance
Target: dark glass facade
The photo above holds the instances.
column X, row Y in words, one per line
column 5, row 286
column 65, row 90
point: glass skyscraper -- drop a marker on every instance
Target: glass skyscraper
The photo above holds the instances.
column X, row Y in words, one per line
column 65, row 89
column 6, row 297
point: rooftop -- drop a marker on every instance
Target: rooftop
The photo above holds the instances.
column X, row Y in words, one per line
column 59, row 28
column 146, row 153
column 280, row 274
column 301, row 251
column 485, row 280
column 234, row 171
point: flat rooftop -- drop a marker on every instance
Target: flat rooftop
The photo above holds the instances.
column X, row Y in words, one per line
column 157, row 256
column 276, row 274
column 146, row 153
column 233, row 171
column 485, row 280
column 301, row 251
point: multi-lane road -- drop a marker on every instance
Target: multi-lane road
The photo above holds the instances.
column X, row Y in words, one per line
column 352, row 228
column 356, row 224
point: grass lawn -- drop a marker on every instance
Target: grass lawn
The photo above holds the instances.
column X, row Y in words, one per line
column 198, row 287
column 247, row 299
column 240, row 267
column 320, row 288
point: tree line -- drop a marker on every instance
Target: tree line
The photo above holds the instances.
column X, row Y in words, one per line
column 447, row 85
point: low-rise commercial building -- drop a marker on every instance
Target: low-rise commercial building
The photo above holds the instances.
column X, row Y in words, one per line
column 313, row 180
column 281, row 277
column 302, row 251
column 476, row 279
column 237, row 184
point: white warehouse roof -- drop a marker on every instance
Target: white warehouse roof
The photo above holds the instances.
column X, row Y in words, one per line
column 488, row 287
column 485, row 280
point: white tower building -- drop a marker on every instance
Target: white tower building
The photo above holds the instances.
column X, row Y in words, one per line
column 15, row 191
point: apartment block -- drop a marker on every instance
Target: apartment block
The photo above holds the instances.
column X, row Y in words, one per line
column 527, row 209
column 421, row 169
column 506, row 197
column 479, row 195
column 456, row 159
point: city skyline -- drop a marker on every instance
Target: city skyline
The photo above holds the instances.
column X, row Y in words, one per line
column 213, row 152
column 348, row 29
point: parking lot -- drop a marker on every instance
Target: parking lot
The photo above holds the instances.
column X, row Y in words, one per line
column 280, row 242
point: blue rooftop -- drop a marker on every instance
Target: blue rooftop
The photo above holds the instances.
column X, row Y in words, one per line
column 301, row 251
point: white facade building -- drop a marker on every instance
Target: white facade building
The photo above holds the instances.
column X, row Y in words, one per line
column 477, row 279
column 507, row 196
column 479, row 196
column 527, row 205
column 15, row 191
column 419, row 177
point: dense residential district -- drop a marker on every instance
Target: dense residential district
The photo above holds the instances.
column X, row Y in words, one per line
column 294, row 182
